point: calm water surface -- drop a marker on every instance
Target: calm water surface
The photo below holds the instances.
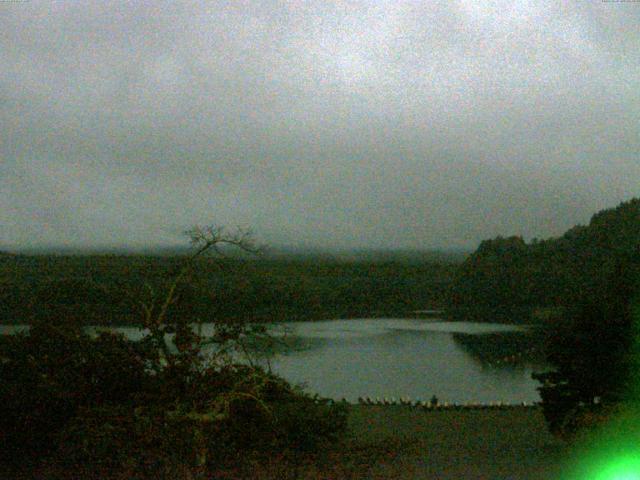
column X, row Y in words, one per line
column 393, row 358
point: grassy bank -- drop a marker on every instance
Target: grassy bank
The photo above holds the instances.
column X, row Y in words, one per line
column 398, row 442
column 483, row 444
column 404, row 443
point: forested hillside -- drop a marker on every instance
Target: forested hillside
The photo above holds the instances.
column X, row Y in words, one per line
column 510, row 273
column 110, row 289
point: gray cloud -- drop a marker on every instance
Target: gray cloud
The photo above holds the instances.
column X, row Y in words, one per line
column 380, row 124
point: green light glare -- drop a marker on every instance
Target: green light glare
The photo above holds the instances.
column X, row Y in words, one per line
column 605, row 458
column 612, row 451
column 625, row 468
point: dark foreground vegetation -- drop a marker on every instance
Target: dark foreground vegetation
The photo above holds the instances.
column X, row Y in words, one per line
column 72, row 406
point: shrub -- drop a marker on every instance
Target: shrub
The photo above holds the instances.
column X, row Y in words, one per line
column 53, row 370
column 90, row 403
column 145, row 442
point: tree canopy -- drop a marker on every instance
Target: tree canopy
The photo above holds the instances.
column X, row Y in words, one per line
column 591, row 276
column 555, row 272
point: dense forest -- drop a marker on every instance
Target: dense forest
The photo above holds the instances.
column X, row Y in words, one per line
column 508, row 273
column 110, row 289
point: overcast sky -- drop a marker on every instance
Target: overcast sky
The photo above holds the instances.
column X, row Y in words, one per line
column 383, row 124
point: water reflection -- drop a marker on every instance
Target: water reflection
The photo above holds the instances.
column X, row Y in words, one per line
column 456, row 361
column 505, row 350
column 397, row 357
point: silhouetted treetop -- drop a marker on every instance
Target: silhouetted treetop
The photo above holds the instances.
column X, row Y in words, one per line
column 506, row 271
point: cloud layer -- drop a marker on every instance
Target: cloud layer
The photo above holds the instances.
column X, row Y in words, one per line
column 381, row 124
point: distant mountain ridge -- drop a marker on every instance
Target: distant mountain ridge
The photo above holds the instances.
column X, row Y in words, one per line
column 270, row 253
column 508, row 272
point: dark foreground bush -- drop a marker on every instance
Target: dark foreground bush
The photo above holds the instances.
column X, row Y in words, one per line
column 52, row 371
column 73, row 405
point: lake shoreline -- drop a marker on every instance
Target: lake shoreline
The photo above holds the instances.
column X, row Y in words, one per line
column 397, row 358
column 443, row 315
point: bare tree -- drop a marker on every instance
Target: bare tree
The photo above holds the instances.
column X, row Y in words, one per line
column 155, row 308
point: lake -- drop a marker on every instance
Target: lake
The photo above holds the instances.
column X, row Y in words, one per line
column 401, row 358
